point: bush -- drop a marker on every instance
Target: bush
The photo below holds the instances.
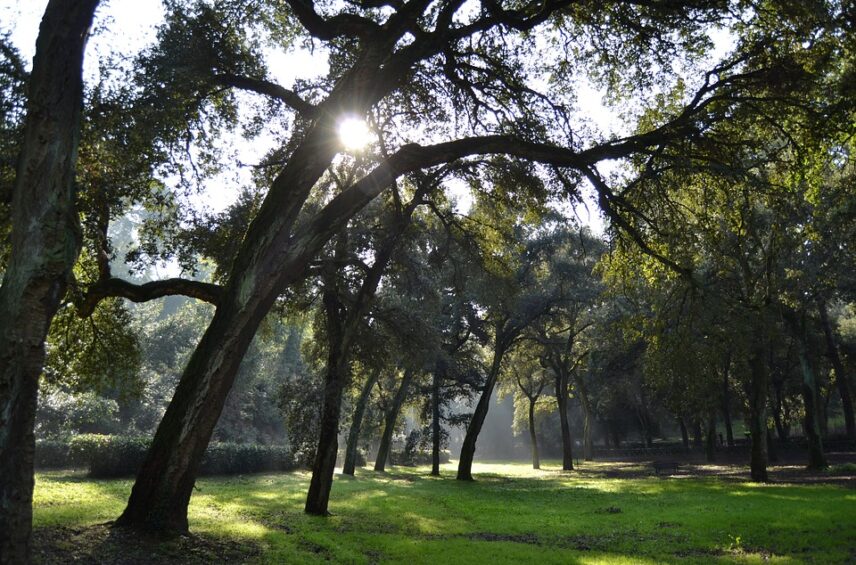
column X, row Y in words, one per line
column 120, row 456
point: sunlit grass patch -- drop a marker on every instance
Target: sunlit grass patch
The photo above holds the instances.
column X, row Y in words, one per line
column 509, row 514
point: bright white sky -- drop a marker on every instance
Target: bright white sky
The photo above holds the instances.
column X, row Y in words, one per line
column 126, row 26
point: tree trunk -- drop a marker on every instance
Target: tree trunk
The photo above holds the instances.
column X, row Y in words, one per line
column 710, row 439
column 391, row 418
column 685, row 436
column 468, row 448
column 778, row 422
column 567, row 440
column 841, row 380
column 757, row 398
column 726, row 411
column 816, row 458
column 45, row 243
column 697, row 440
column 356, row 424
column 435, row 423
column 588, row 422
column 533, row 436
column 324, row 464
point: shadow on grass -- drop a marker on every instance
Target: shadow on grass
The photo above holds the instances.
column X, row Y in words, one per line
column 406, row 516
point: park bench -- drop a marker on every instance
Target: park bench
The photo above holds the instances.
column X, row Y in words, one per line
column 667, row 467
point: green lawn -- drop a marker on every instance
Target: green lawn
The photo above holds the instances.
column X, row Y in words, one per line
column 511, row 514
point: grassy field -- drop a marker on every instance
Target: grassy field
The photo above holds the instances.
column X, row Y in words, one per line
column 511, row 514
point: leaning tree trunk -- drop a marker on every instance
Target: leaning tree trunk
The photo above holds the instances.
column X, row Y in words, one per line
column 567, row 441
column 468, row 448
column 841, row 380
column 273, row 255
column 45, row 242
column 435, row 423
column 533, row 436
column 391, row 418
column 324, row 464
column 356, row 424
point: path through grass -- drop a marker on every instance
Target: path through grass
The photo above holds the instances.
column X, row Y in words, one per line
column 511, row 514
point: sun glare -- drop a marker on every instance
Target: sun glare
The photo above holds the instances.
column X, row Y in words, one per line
column 354, row 133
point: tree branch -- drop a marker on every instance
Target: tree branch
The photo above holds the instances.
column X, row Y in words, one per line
column 105, row 288
column 267, row 88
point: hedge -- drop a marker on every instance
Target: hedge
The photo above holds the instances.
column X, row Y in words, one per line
column 120, row 456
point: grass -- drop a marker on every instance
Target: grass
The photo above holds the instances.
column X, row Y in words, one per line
column 510, row 514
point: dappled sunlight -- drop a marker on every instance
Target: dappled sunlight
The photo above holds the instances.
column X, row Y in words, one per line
column 548, row 516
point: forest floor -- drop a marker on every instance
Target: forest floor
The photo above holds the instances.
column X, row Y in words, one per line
column 603, row 512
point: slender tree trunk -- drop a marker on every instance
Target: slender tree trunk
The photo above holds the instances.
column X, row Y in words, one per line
column 781, row 429
column 356, row 424
column 710, row 439
column 726, row 410
column 697, row 441
column 533, row 436
column 685, row 436
column 567, row 440
column 588, row 422
column 816, row 458
column 318, row 497
column 468, row 448
column 841, row 380
column 45, row 242
column 757, row 397
column 391, row 418
column 435, row 423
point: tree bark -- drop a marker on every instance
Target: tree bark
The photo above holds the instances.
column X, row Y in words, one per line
column 468, row 448
column 391, row 419
column 45, row 243
column 533, row 436
column 356, row 424
column 841, row 380
column 710, row 438
column 588, row 415
column 435, row 422
column 685, row 436
column 757, row 397
column 816, row 458
column 567, row 440
column 697, row 441
column 726, row 410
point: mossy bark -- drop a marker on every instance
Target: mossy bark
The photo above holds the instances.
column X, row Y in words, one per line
column 45, row 243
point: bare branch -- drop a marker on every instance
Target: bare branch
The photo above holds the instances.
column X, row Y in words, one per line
column 206, row 292
column 267, row 88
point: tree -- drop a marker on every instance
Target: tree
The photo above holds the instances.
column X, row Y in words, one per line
column 44, row 246
column 374, row 64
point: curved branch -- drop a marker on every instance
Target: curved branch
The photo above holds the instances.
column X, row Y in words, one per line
column 267, row 88
column 350, row 25
column 106, row 288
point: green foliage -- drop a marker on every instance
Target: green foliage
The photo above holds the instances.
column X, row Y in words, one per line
column 97, row 353
column 121, row 456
